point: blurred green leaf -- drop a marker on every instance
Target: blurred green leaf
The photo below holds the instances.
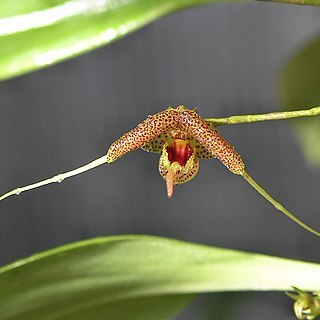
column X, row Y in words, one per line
column 136, row 277
column 38, row 33
column 300, row 88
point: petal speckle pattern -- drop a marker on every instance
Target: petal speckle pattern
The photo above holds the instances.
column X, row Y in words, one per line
column 182, row 137
column 211, row 139
column 147, row 130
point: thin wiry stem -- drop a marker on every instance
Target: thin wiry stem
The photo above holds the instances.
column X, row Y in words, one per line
column 276, row 204
column 58, row 178
column 301, row 2
column 264, row 117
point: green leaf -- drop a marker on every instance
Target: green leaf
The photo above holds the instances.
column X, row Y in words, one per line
column 38, row 33
column 136, row 277
column 300, row 83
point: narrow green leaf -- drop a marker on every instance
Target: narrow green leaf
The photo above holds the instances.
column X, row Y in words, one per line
column 299, row 86
column 128, row 274
column 38, row 33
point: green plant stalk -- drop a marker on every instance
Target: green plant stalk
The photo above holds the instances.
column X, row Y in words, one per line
column 301, row 2
column 249, row 118
column 213, row 121
column 277, row 205
column 58, row 178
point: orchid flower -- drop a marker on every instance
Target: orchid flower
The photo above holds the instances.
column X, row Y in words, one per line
column 182, row 137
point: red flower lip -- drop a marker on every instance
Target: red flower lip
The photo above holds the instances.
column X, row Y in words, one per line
column 180, row 151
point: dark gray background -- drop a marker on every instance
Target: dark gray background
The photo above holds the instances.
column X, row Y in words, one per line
column 224, row 59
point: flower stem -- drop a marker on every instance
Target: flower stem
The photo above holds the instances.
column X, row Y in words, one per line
column 58, row 178
column 302, row 2
column 276, row 204
column 264, row 117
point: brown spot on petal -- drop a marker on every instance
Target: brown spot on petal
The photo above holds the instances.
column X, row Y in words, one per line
column 146, row 131
column 212, row 140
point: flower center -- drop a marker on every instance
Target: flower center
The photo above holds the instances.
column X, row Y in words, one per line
column 180, row 151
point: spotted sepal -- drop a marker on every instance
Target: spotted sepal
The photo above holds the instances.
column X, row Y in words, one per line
column 211, row 139
column 146, row 131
